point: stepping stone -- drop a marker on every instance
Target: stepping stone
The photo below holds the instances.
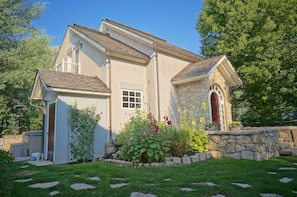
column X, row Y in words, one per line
column 95, row 178
column 287, row 168
column 76, row 175
column 219, row 195
column 25, row 166
column 187, row 189
column 243, row 185
column 44, row 185
column 23, row 180
column 119, row 179
column 272, row 173
column 139, row 194
column 294, row 192
column 54, row 193
column 166, row 179
column 270, row 195
column 205, row 183
column 118, row 185
column 81, row 186
column 285, row 180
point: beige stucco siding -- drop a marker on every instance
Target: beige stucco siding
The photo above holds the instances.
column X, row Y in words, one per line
column 168, row 67
column 125, row 75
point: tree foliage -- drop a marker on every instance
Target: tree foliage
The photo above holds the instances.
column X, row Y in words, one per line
column 260, row 39
column 23, row 48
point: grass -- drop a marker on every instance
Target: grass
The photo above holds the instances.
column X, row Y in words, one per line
column 222, row 172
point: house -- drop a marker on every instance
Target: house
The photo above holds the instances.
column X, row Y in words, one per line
column 119, row 69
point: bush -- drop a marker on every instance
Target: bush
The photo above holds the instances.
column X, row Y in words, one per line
column 143, row 140
column 9, row 132
column 180, row 143
column 6, row 181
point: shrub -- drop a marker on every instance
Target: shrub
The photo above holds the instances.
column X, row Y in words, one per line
column 83, row 124
column 180, row 143
column 143, row 139
column 6, row 181
column 9, row 132
column 198, row 139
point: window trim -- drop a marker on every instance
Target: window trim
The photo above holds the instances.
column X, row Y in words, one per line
column 129, row 102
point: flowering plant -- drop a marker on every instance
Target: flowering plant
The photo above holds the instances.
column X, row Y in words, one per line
column 143, row 140
column 235, row 123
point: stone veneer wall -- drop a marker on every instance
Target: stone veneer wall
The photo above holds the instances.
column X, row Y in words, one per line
column 256, row 144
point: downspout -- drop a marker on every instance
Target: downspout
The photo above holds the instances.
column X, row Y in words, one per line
column 110, row 105
column 157, row 81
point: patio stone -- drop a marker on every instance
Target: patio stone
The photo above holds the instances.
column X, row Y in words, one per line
column 243, row 185
column 44, row 185
column 54, row 193
column 81, row 186
column 23, row 180
column 119, row 179
column 285, row 180
column 205, row 183
column 118, row 185
column 139, row 194
column 270, row 195
column 187, row 189
column 25, row 166
column 287, row 168
column 95, row 178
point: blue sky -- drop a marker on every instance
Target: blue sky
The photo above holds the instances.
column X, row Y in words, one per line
column 172, row 20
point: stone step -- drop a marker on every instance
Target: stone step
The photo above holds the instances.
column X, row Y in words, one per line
column 286, row 145
column 288, row 152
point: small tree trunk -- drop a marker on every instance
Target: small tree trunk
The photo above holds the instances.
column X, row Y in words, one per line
column 263, row 119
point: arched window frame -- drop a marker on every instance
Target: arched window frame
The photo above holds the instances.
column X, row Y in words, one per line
column 216, row 89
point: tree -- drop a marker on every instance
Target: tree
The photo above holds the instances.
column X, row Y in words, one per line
column 23, row 48
column 260, row 39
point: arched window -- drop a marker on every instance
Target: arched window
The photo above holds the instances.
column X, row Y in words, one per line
column 216, row 102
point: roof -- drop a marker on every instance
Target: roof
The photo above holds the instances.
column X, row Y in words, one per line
column 158, row 41
column 201, row 69
column 109, row 43
column 71, row 81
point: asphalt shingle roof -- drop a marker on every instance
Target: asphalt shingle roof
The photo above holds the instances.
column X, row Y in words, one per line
column 158, row 41
column 71, row 81
column 110, row 43
column 197, row 69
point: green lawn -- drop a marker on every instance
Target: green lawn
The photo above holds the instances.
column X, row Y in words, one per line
column 161, row 181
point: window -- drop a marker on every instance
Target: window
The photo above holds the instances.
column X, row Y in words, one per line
column 131, row 99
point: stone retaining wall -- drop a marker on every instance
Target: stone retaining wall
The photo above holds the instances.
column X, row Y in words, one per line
column 256, row 144
column 287, row 137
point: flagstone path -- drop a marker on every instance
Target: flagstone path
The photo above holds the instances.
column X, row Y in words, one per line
column 124, row 182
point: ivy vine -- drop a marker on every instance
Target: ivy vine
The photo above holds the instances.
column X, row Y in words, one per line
column 83, row 124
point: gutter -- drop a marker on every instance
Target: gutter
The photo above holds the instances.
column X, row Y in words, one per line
column 37, row 106
column 157, row 81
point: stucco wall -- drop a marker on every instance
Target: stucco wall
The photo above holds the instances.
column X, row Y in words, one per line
column 125, row 75
column 168, row 67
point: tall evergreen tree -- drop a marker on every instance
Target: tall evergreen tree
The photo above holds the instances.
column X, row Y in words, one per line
column 23, row 48
column 260, row 39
